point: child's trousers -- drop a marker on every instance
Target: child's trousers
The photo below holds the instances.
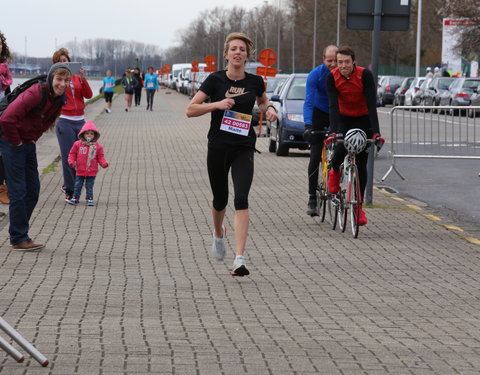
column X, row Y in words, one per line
column 89, row 181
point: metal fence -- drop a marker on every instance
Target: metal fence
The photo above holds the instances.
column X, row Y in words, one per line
column 437, row 132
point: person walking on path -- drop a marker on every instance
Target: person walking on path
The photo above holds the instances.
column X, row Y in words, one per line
column 353, row 104
column 231, row 140
column 71, row 120
column 138, row 75
column 129, row 83
column 23, row 124
column 151, row 86
column 85, row 156
column 316, row 116
column 5, row 82
column 108, row 89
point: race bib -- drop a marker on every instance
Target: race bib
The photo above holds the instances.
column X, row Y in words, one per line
column 236, row 122
column 150, row 85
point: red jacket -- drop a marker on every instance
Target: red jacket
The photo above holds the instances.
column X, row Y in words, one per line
column 78, row 156
column 78, row 91
column 351, row 96
column 22, row 125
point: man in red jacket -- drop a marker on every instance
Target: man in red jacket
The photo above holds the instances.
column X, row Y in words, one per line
column 352, row 101
column 23, row 123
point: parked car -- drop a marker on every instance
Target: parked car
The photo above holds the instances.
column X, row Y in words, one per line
column 459, row 92
column 287, row 131
column 413, row 88
column 399, row 96
column 475, row 101
column 435, row 89
column 387, row 86
column 272, row 84
column 417, row 96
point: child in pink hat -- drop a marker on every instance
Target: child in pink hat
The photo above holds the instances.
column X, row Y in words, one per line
column 85, row 156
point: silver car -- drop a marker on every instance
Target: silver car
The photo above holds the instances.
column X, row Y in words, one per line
column 459, row 92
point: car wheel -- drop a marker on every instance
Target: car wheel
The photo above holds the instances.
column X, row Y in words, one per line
column 282, row 149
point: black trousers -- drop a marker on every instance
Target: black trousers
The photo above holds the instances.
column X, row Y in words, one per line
column 138, row 95
column 219, row 163
column 321, row 121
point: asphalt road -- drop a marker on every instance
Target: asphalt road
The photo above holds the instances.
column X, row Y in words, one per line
column 449, row 186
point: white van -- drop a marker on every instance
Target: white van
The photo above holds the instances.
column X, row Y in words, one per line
column 177, row 70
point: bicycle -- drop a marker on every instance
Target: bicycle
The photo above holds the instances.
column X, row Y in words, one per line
column 323, row 195
column 350, row 196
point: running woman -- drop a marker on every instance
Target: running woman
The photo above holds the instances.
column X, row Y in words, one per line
column 352, row 97
column 231, row 140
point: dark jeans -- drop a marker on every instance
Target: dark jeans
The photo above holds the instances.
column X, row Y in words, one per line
column 89, row 181
column 150, row 95
column 21, row 170
column 138, row 95
column 67, row 134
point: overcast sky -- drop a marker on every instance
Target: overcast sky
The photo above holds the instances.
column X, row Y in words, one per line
column 48, row 24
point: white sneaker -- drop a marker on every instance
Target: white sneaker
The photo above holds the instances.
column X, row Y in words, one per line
column 239, row 267
column 219, row 247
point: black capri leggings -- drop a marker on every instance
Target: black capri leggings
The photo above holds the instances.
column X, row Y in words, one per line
column 108, row 96
column 219, row 163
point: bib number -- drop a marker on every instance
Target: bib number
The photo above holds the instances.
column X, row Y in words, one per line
column 236, row 123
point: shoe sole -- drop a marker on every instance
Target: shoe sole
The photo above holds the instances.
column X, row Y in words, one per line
column 240, row 271
column 37, row 248
column 312, row 213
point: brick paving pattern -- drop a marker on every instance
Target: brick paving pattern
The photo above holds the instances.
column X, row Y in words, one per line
column 129, row 286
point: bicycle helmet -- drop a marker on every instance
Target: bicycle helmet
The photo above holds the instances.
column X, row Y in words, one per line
column 355, row 140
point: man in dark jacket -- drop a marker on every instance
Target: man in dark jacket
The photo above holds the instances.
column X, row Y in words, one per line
column 23, row 123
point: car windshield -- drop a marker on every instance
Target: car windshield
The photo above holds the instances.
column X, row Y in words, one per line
column 396, row 80
column 273, row 82
column 444, row 83
column 297, row 89
column 471, row 83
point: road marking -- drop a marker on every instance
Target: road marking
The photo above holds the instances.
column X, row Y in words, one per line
column 473, row 240
column 432, row 217
column 414, row 207
column 398, row 199
column 453, row 227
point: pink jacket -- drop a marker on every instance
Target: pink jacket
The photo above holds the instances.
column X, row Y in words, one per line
column 5, row 76
column 81, row 152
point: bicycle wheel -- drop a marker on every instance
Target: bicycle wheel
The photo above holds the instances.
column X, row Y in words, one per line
column 355, row 199
column 342, row 205
column 321, row 203
column 332, row 206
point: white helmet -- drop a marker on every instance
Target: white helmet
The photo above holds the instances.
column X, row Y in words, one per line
column 355, row 140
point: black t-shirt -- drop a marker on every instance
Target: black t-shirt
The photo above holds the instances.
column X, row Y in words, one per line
column 245, row 92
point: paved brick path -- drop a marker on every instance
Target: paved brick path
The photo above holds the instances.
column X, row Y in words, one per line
column 129, row 286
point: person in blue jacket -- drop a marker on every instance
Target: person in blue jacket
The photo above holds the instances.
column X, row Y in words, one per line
column 317, row 121
column 151, row 86
column 108, row 89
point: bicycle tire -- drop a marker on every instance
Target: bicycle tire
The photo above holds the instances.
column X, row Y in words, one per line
column 321, row 203
column 332, row 211
column 342, row 206
column 355, row 199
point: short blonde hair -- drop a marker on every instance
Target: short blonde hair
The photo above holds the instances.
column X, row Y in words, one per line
column 59, row 53
column 242, row 37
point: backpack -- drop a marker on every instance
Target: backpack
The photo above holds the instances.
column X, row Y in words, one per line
column 10, row 97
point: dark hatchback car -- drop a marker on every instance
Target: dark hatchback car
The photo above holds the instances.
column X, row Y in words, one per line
column 435, row 89
column 399, row 96
column 287, row 131
column 387, row 86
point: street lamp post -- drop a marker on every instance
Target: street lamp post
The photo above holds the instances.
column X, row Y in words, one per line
column 338, row 23
column 419, row 38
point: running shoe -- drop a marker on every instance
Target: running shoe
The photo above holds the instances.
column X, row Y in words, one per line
column 72, row 201
column 239, row 267
column 219, row 247
column 90, row 202
column 362, row 219
column 312, row 207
